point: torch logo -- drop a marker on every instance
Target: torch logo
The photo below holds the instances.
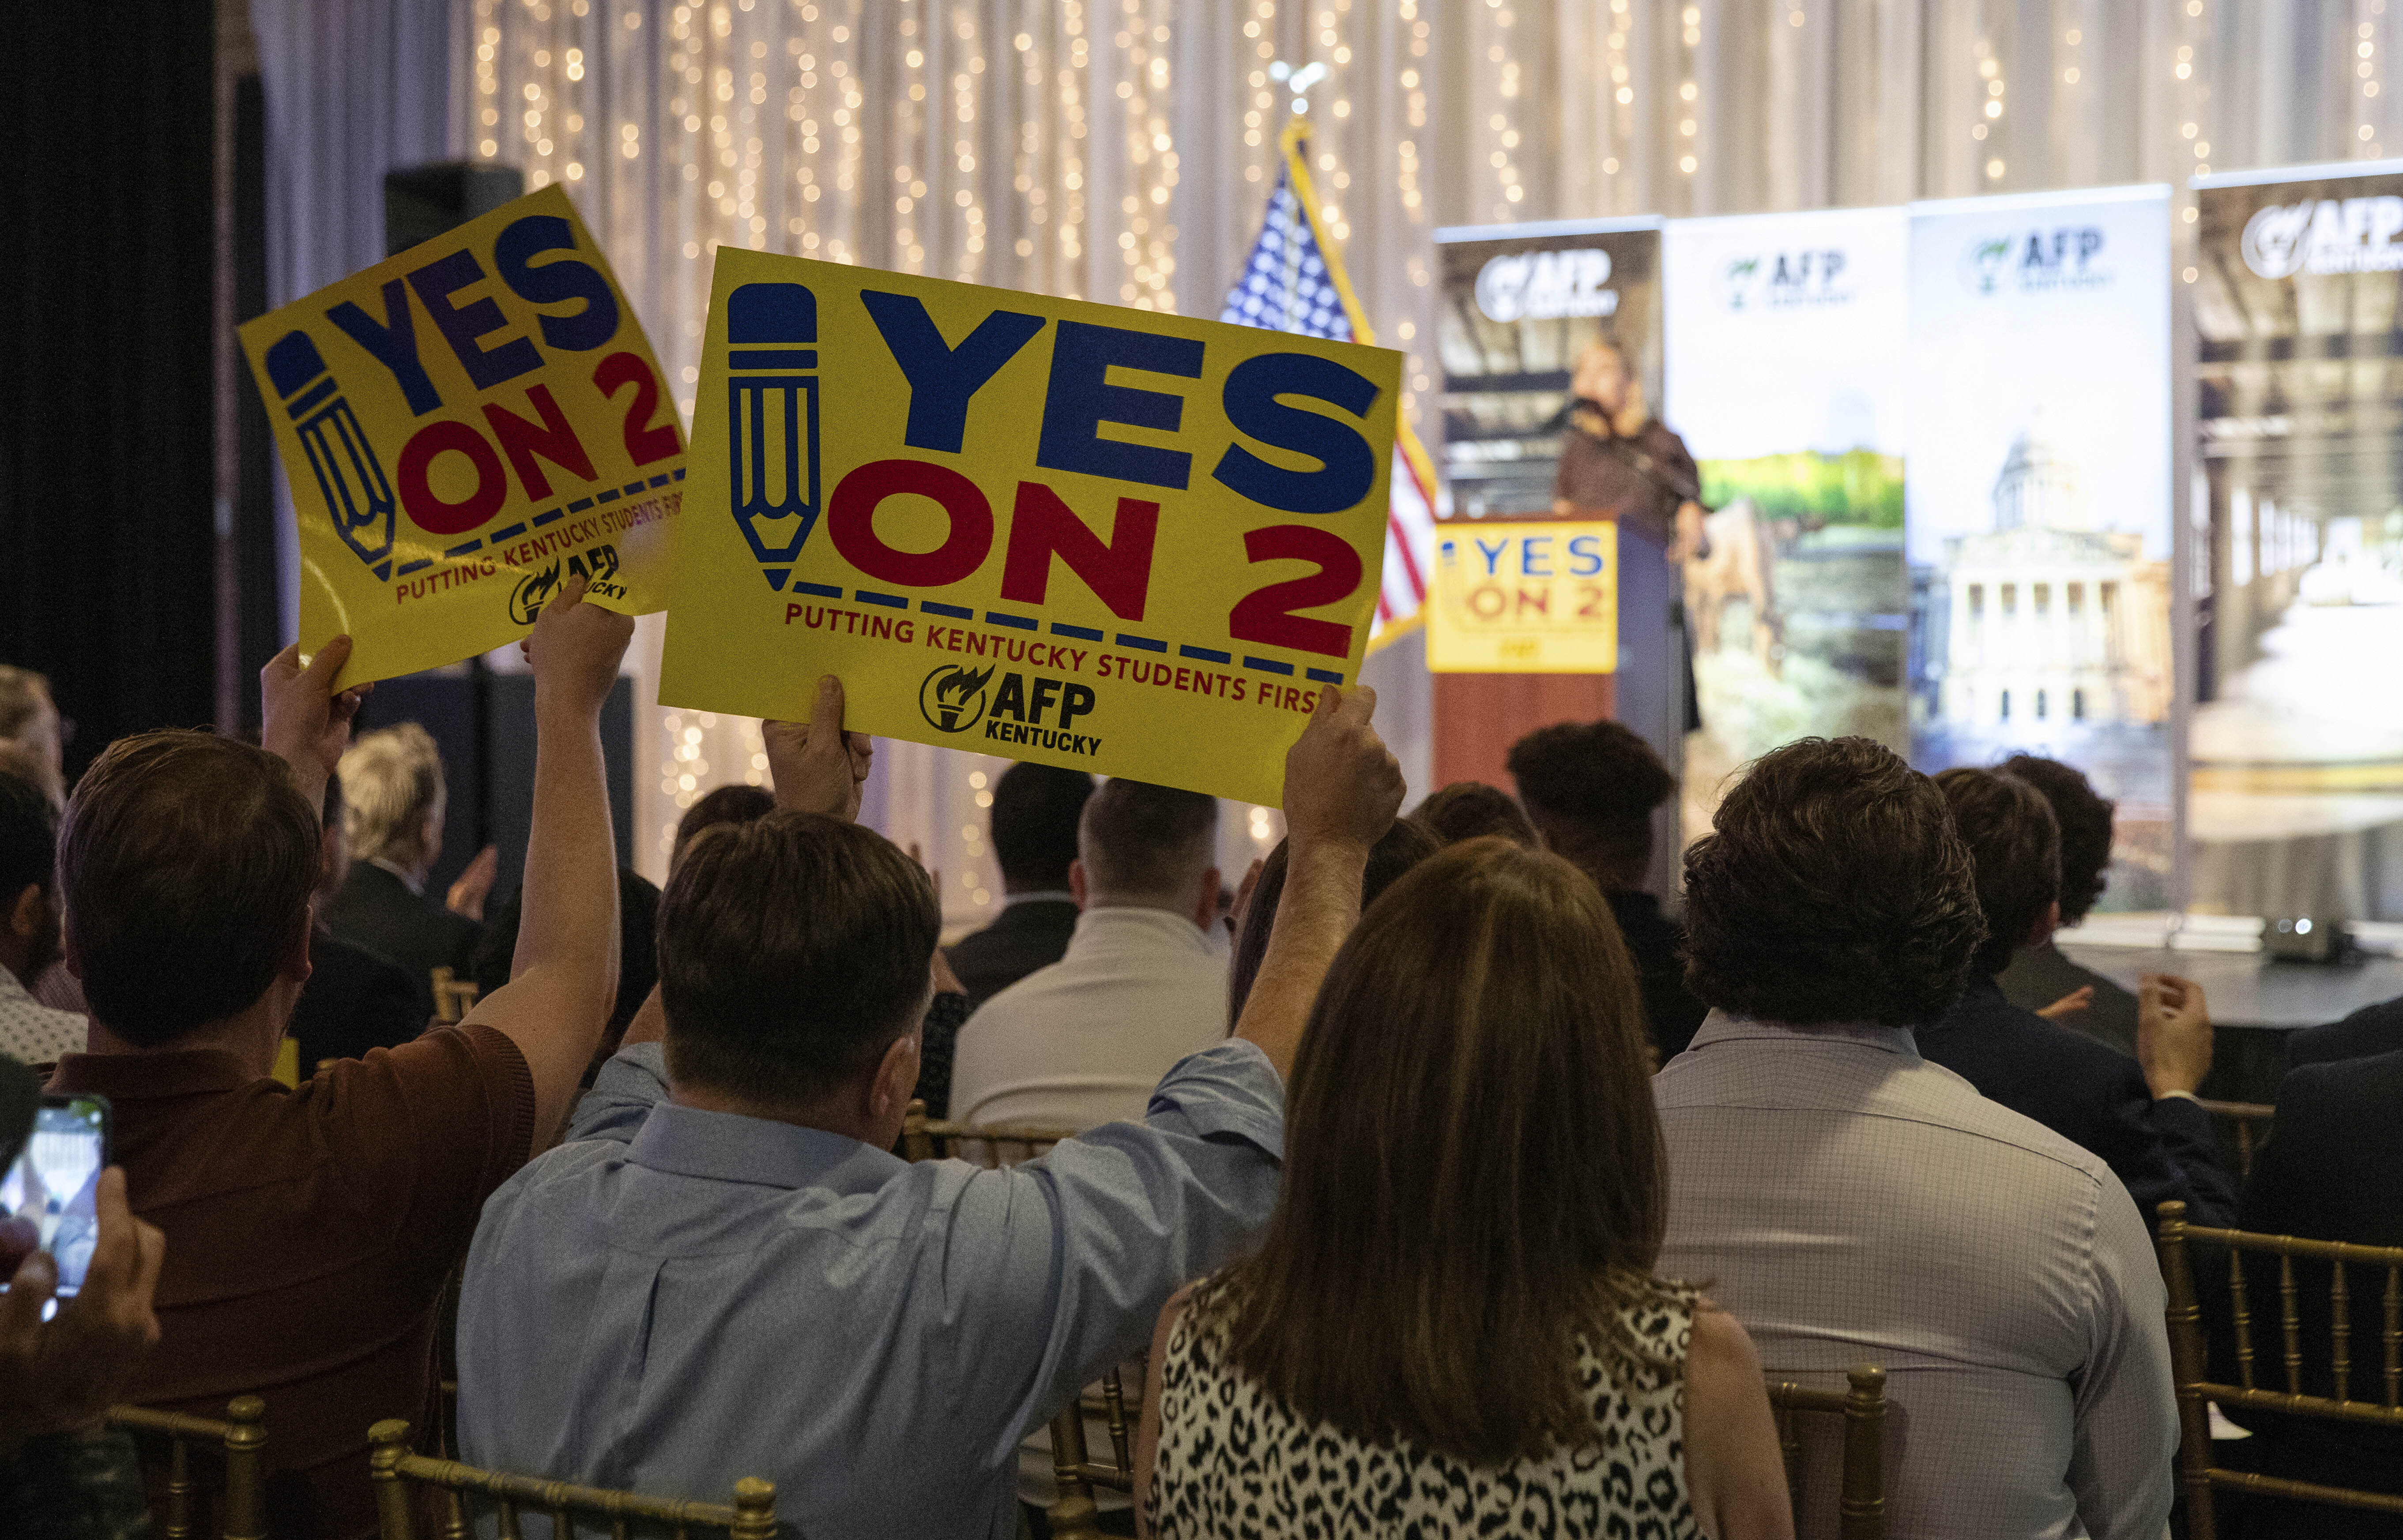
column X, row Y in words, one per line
column 951, row 698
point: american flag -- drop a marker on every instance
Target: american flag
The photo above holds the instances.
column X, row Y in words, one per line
column 1294, row 281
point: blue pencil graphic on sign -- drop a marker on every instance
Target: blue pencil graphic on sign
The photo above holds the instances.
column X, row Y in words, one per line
column 358, row 497
column 772, row 414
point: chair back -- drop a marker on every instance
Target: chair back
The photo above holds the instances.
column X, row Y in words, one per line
column 1072, row 1513
column 2191, row 1363
column 2248, row 1122
column 241, row 1507
column 454, row 996
column 752, row 1515
column 1860, row 1499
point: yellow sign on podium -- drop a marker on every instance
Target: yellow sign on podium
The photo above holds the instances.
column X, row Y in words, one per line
column 1524, row 598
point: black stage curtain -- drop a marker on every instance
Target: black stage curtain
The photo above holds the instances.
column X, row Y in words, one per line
column 106, row 488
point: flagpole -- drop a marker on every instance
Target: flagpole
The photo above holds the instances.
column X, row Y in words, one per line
column 1294, row 142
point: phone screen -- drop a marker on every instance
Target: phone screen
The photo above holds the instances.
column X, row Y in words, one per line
column 54, row 1184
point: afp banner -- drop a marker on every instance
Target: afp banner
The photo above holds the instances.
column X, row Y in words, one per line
column 2296, row 803
column 1786, row 376
column 1116, row 540
column 2037, row 499
column 464, row 426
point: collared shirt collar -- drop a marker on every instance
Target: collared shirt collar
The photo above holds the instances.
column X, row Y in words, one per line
column 1049, row 896
column 725, row 1146
column 13, row 993
column 1137, row 922
column 129, row 1076
column 1725, row 1027
column 407, row 880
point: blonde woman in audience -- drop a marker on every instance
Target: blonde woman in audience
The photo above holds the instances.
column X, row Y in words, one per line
column 1454, row 1326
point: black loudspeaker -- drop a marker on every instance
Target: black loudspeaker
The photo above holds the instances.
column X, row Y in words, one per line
column 502, row 760
column 419, row 203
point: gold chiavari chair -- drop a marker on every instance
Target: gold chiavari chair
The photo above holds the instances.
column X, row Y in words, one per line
column 1073, row 1513
column 1860, row 1502
column 454, row 996
column 2250, row 1123
column 752, row 1515
column 2190, row 1360
column 239, row 1506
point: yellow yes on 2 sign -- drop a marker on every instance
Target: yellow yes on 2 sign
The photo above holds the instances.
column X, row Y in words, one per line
column 1111, row 539
column 464, row 426
column 1525, row 598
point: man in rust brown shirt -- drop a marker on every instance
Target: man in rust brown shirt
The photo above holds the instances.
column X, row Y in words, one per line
column 309, row 1230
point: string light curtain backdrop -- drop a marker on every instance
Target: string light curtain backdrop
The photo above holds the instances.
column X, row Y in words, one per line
column 1123, row 150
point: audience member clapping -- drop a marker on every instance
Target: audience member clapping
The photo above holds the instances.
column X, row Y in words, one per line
column 2141, row 1117
column 726, row 1259
column 1454, row 1320
column 1591, row 787
column 29, row 1031
column 1857, row 1204
column 394, row 802
column 311, row 1230
column 2041, row 977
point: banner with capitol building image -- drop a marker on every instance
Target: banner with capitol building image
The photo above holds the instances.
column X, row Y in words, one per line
column 2297, row 797
column 2038, row 500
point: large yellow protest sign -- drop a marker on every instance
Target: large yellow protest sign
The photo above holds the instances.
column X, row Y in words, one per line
column 1524, row 598
column 1118, row 540
column 464, row 426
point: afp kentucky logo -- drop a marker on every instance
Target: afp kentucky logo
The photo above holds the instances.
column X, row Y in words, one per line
column 2036, row 261
column 951, row 698
column 771, row 418
column 1780, row 280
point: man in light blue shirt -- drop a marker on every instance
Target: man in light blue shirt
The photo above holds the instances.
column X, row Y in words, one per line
column 724, row 1274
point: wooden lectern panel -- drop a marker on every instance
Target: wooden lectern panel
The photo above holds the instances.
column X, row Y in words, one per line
column 1478, row 717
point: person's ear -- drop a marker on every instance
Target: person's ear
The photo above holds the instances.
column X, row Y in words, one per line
column 2046, row 923
column 1076, row 882
column 294, row 965
column 897, row 1080
column 1205, row 905
column 26, row 916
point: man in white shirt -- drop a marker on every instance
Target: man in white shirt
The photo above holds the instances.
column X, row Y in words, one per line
column 1856, row 1202
column 1082, row 1042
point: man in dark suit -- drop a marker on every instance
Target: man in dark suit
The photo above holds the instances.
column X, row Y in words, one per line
column 355, row 1000
column 392, row 781
column 2327, row 1173
column 2372, row 1030
column 2139, row 1114
column 1034, row 813
column 1591, row 788
column 2043, row 976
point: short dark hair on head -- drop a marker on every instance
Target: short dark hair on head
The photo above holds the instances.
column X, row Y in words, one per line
column 2015, row 848
column 28, row 837
column 734, row 804
column 186, row 862
column 1036, row 808
column 1466, row 809
column 1590, row 787
column 1834, row 889
column 1136, row 837
column 2084, row 816
column 793, row 951
column 1402, row 847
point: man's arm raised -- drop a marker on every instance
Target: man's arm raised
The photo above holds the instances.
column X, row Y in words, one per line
column 1341, row 790
column 564, row 979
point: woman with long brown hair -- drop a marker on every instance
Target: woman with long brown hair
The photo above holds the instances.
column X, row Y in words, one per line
column 1452, row 1325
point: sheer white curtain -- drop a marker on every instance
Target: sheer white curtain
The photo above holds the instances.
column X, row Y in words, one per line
column 1121, row 150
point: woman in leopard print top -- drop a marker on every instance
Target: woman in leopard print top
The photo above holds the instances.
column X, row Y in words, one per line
column 1453, row 1327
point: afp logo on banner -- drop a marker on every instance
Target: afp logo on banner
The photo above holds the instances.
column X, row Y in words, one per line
column 1758, row 280
column 1546, row 285
column 2063, row 259
column 2325, row 237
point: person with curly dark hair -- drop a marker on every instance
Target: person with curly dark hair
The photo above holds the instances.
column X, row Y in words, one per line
column 2140, row 1115
column 1470, row 810
column 1858, row 1203
column 1590, row 787
column 2041, row 977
